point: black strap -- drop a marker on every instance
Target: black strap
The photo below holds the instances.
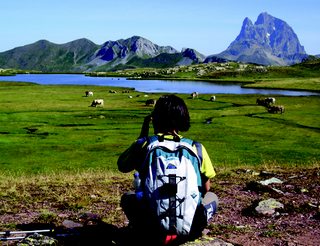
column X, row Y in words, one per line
column 172, row 205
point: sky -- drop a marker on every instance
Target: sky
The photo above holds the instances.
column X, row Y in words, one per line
column 208, row 26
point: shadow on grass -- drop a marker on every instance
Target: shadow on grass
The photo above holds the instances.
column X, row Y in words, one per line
column 97, row 233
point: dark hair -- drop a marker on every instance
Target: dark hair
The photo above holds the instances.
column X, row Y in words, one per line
column 170, row 113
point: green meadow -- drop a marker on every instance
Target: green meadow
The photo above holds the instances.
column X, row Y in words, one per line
column 47, row 129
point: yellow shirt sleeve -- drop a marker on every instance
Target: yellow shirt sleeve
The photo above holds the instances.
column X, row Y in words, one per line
column 207, row 167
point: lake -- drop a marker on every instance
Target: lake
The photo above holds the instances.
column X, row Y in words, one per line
column 149, row 86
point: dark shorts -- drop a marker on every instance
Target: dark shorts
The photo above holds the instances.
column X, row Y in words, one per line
column 141, row 219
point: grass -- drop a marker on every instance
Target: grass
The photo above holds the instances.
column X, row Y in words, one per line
column 47, row 129
column 58, row 154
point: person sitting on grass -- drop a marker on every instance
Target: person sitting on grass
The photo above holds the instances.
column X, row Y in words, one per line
column 169, row 117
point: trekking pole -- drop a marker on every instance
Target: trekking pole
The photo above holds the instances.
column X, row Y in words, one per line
column 6, row 234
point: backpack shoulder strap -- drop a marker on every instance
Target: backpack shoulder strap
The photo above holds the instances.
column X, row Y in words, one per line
column 199, row 149
column 196, row 144
column 152, row 139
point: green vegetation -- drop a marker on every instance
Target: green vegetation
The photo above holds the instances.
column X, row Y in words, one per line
column 12, row 72
column 303, row 76
column 48, row 129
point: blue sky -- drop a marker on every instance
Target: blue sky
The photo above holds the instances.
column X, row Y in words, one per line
column 208, row 26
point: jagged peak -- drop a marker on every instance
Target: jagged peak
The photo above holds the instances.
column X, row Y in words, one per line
column 262, row 18
column 247, row 22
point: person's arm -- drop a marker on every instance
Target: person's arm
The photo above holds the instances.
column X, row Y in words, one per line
column 131, row 158
column 207, row 185
column 126, row 161
column 145, row 127
column 207, row 171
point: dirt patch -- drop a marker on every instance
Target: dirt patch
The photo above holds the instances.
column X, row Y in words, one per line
column 298, row 223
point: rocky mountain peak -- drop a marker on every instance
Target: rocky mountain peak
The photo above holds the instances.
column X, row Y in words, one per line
column 269, row 41
column 263, row 18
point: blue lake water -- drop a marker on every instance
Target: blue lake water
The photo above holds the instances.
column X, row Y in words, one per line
column 149, row 86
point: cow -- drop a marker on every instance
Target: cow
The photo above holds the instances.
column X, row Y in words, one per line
column 151, row 102
column 212, row 98
column 270, row 100
column 276, row 109
column 89, row 93
column 97, row 102
column 194, row 94
column 266, row 102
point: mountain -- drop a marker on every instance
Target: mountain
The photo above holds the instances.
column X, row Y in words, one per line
column 49, row 57
column 269, row 41
column 165, row 60
column 121, row 51
column 84, row 55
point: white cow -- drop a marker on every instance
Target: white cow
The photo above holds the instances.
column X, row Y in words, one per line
column 97, row 102
column 212, row 98
column 270, row 100
column 194, row 94
column 89, row 93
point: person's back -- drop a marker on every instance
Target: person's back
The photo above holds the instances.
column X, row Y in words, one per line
column 160, row 181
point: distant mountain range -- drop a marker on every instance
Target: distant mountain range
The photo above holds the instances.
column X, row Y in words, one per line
column 269, row 41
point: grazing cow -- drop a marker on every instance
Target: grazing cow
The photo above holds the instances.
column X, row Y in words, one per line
column 97, row 102
column 194, row 94
column 89, row 93
column 112, row 91
column 212, row 98
column 266, row 102
column 276, row 109
column 261, row 102
column 151, row 102
column 270, row 100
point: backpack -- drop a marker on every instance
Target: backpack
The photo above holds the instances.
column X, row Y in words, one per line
column 172, row 182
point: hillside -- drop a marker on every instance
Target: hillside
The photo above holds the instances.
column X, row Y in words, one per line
column 49, row 57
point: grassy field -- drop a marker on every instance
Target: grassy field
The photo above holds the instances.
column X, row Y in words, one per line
column 46, row 129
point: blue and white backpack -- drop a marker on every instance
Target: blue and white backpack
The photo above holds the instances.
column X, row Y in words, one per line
column 173, row 182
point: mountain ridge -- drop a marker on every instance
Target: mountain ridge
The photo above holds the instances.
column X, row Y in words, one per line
column 268, row 41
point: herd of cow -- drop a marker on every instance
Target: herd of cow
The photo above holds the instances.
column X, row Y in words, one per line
column 268, row 102
column 100, row 102
column 95, row 102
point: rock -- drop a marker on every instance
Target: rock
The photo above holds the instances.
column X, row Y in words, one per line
column 268, row 207
column 71, row 224
column 217, row 242
column 207, row 241
column 271, row 181
column 38, row 239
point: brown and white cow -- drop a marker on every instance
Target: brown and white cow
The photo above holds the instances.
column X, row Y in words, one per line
column 97, row 102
